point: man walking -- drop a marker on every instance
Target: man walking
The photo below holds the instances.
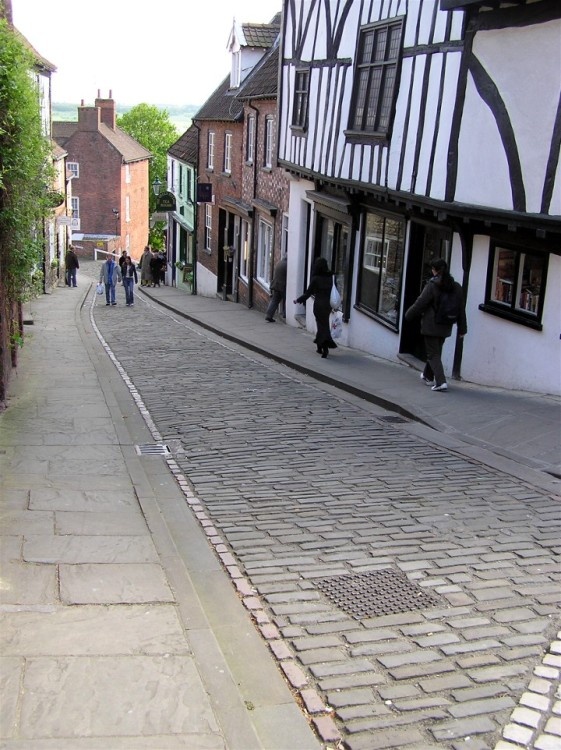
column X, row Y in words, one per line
column 110, row 274
column 71, row 266
column 278, row 291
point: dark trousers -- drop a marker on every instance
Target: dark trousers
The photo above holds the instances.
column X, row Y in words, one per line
column 433, row 368
column 276, row 299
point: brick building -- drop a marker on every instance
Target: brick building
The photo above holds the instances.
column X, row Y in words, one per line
column 240, row 233
column 110, row 189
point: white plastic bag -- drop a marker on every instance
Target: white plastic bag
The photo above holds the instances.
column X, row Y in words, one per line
column 99, row 288
column 334, row 297
column 336, row 325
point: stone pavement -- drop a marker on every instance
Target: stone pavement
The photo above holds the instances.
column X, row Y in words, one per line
column 305, row 490
column 519, row 425
column 293, row 484
column 118, row 626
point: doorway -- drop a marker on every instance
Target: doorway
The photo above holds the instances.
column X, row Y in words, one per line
column 426, row 243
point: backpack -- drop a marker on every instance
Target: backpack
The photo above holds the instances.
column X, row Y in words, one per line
column 448, row 307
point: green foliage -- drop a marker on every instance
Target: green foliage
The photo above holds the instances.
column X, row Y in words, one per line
column 25, row 169
column 156, row 237
column 152, row 128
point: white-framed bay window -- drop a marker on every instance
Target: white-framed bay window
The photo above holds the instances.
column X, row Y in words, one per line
column 264, row 252
column 244, row 249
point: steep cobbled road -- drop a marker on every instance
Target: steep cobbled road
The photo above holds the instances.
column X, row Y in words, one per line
column 311, row 489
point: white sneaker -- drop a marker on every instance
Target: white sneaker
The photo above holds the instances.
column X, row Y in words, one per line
column 443, row 387
column 426, row 381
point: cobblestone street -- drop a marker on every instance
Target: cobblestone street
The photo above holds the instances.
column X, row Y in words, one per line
column 312, row 496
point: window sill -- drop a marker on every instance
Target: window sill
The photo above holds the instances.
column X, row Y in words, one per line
column 226, row 174
column 377, row 317
column 266, row 169
column 359, row 136
column 299, row 129
column 513, row 317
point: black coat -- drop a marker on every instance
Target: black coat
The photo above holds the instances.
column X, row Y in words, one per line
column 320, row 289
column 425, row 307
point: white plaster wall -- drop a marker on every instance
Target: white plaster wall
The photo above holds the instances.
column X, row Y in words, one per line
column 524, row 63
column 206, row 282
column 502, row 353
column 296, row 251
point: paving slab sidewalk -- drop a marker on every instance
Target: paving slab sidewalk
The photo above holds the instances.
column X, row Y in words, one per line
column 118, row 626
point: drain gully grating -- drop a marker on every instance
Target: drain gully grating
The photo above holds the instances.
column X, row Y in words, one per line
column 394, row 420
column 380, row 592
column 159, row 449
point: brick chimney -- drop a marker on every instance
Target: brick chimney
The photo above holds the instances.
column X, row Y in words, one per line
column 88, row 118
column 107, row 108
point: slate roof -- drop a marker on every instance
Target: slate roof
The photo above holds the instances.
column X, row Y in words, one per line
column 263, row 81
column 186, row 146
column 222, row 105
column 129, row 149
column 260, row 34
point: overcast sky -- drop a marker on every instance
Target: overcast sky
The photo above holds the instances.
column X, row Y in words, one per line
column 175, row 55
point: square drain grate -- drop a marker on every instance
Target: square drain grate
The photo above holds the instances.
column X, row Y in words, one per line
column 380, row 592
column 157, row 449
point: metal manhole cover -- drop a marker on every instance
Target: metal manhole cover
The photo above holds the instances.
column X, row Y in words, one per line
column 394, row 420
column 157, row 449
column 380, row 592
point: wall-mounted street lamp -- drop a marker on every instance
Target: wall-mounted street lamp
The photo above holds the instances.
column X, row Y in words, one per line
column 156, row 186
column 116, row 214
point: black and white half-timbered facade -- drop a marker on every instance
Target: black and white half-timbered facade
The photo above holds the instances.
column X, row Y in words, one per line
column 417, row 129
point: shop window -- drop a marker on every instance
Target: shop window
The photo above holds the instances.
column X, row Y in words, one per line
column 376, row 77
column 244, row 250
column 381, row 271
column 264, row 252
column 516, row 284
column 333, row 237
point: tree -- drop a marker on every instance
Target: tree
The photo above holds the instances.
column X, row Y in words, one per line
column 153, row 129
column 25, row 174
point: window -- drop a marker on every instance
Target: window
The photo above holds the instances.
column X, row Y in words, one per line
column 284, row 235
column 244, row 250
column 235, row 73
column 127, row 208
column 210, row 151
column 228, row 153
column 300, row 105
column 250, row 145
column 208, row 226
column 73, row 169
column 127, row 173
column 516, row 284
column 264, row 252
column 376, row 78
column 268, row 156
column 381, row 266
column 75, row 205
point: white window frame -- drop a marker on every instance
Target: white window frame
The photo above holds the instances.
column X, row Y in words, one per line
column 264, row 252
column 127, row 208
column 268, row 140
column 250, row 147
column 210, row 151
column 75, row 206
column 208, row 227
column 74, row 168
column 245, row 237
column 228, row 153
column 236, row 72
column 127, row 173
column 284, row 235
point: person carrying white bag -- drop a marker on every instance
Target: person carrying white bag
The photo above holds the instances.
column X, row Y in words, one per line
column 320, row 287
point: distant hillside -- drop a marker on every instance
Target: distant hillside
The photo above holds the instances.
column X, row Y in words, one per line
column 180, row 115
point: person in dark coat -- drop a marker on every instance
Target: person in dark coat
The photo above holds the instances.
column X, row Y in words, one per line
column 435, row 333
column 156, row 264
column 278, row 290
column 71, row 265
column 320, row 287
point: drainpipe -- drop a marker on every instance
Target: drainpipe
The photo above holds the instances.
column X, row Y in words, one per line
column 195, row 215
column 253, row 233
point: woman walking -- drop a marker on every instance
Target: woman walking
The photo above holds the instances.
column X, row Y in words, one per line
column 130, row 278
column 320, row 287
